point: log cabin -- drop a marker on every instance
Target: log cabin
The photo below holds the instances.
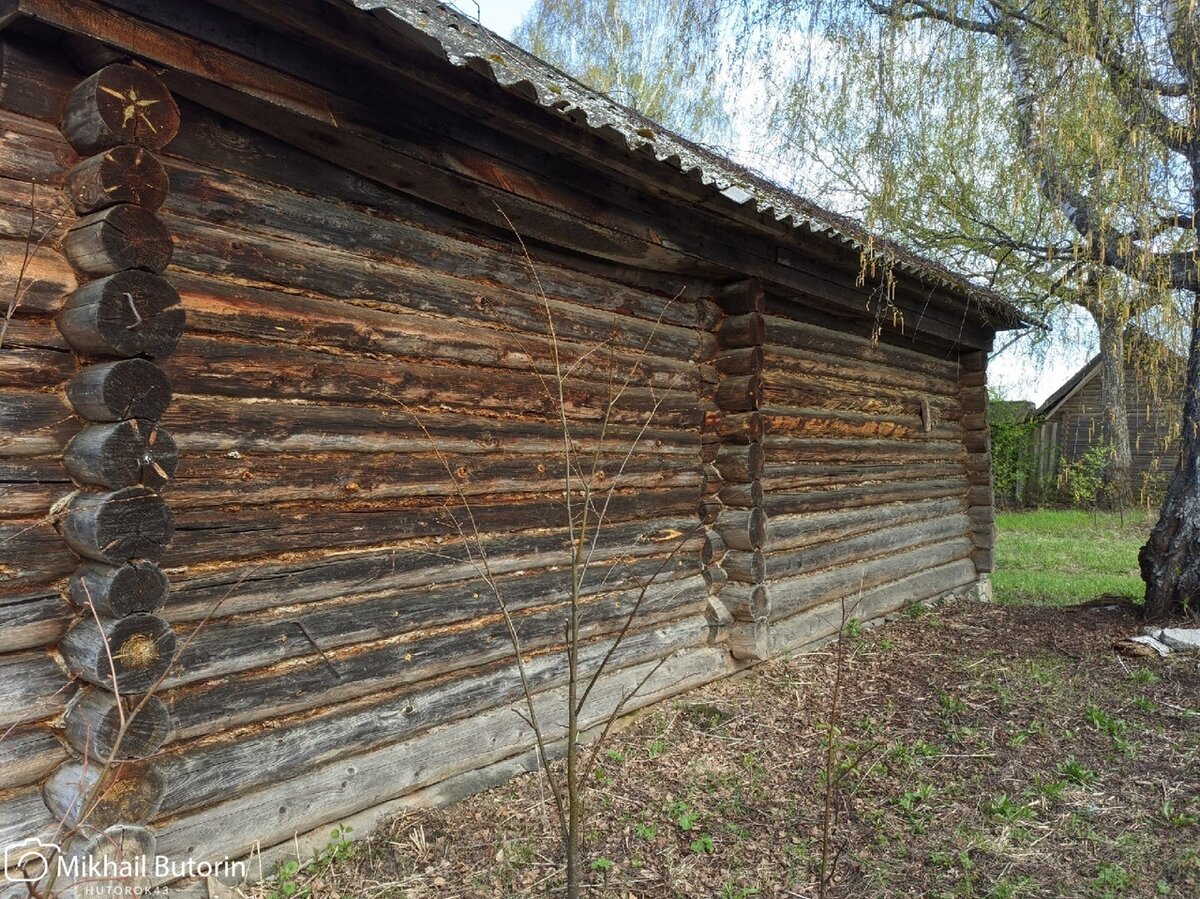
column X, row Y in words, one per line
column 300, row 300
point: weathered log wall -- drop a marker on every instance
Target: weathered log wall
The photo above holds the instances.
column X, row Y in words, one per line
column 363, row 353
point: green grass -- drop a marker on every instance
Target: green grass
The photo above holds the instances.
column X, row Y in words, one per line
column 1067, row 556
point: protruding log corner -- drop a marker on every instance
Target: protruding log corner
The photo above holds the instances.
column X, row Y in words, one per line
column 93, row 726
column 118, row 590
column 119, row 238
column 138, row 647
column 125, row 174
column 84, row 793
column 122, row 454
column 117, row 526
column 120, row 104
column 112, row 391
column 131, row 313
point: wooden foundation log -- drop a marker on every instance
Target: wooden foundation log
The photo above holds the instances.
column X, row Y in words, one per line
column 118, row 525
column 81, row 793
column 115, row 591
column 745, row 567
column 746, row 361
column 131, row 313
column 740, row 463
column 128, row 845
column 92, row 726
column 739, row 331
column 125, row 174
column 119, row 238
column 122, row 454
column 744, row 529
column 120, row 104
column 747, row 602
column 113, row 391
column 750, row 640
column 740, row 393
column 139, row 647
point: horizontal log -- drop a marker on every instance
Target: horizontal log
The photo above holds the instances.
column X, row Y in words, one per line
column 98, row 729
column 313, row 680
column 824, row 621
column 219, row 424
column 744, row 529
column 851, row 551
column 332, row 791
column 138, row 649
column 112, row 391
column 79, row 794
column 244, row 643
column 788, row 477
column 746, row 361
column 213, row 770
column 973, row 361
column 393, row 228
column 29, row 84
column 786, row 423
column 741, row 427
column 750, row 640
column 118, row 525
column 712, row 548
column 131, row 313
column 745, row 567
column 34, row 619
column 122, row 454
column 25, row 367
column 985, row 560
column 835, row 396
column 784, row 451
column 115, row 591
column 973, row 379
column 118, row 238
column 120, row 104
column 27, row 754
column 742, row 496
column 716, row 615
column 777, row 504
column 795, row 594
column 23, row 813
column 747, row 602
column 220, row 367
column 339, row 273
column 739, row 331
column 785, row 369
column 741, row 297
column 232, row 587
column 716, row 579
column 740, row 393
column 981, row 495
column 34, row 687
column 740, row 463
column 793, row 334
column 39, row 280
column 124, row 174
column 110, row 849
column 789, row 532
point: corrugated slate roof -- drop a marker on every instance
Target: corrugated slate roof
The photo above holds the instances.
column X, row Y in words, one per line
column 463, row 42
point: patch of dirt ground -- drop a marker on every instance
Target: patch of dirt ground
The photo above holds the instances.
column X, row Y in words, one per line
column 976, row 751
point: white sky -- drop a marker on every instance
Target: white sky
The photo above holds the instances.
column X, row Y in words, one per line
column 1026, row 370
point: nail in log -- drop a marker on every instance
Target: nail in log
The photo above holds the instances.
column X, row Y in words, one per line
column 122, row 454
column 131, row 313
column 120, row 104
column 129, row 793
column 112, row 391
column 93, row 725
column 117, row 526
column 125, row 174
column 118, row 238
column 139, row 647
column 119, row 590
